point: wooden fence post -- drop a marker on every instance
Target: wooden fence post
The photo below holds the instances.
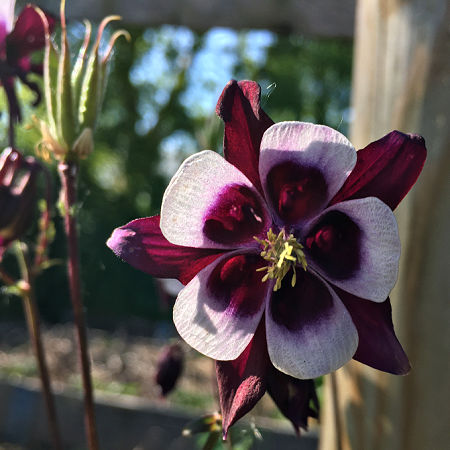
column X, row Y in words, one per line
column 401, row 80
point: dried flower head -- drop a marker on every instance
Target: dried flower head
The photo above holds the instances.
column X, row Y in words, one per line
column 73, row 97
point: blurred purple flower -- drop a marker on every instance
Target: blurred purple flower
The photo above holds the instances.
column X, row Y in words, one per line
column 169, row 367
column 17, row 195
column 17, row 42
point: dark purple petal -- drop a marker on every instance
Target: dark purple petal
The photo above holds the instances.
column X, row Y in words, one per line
column 334, row 244
column 306, row 303
column 302, row 166
column 309, row 331
column 141, row 244
column 245, row 123
column 28, row 34
column 378, row 345
column 218, row 312
column 386, row 169
column 236, row 216
column 236, row 284
column 296, row 192
column 242, row 382
column 216, row 202
column 296, row 399
column 364, row 236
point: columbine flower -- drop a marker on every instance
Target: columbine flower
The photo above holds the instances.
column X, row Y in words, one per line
column 17, row 195
column 288, row 248
column 17, row 41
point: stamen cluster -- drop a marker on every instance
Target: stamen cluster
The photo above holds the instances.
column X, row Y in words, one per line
column 283, row 252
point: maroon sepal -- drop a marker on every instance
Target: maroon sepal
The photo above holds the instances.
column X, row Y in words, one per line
column 242, row 382
column 245, row 123
column 141, row 244
column 387, row 169
column 378, row 345
column 296, row 399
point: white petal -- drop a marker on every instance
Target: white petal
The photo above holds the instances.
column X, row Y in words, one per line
column 6, row 17
column 218, row 322
column 201, row 183
column 312, row 334
column 379, row 249
column 310, row 147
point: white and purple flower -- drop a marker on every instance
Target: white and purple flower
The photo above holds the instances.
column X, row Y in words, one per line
column 288, row 249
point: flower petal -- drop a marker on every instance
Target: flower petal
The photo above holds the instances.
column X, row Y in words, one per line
column 386, row 169
column 141, row 244
column 361, row 254
column 293, row 398
column 218, row 311
column 6, row 19
column 378, row 345
column 302, row 166
column 309, row 331
column 242, row 382
column 209, row 203
column 28, row 34
column 245, row 122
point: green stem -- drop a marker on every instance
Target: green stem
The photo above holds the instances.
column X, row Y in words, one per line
column 68, row 173
column 34, row 329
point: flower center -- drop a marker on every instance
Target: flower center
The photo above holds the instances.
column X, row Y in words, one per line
column 283, row 252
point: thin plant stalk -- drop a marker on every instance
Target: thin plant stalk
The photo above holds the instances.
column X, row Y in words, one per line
column 34, row 329
column 68, row 174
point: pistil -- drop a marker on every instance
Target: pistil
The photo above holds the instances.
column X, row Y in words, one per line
column 282, row 252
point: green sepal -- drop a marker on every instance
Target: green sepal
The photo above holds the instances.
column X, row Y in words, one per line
column 50, row 74
column 92, row 84
column 66, row 125
column 79, row 68
column 104, row 65
column 89, row 94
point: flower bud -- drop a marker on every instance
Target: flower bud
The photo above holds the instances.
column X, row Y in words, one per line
column 17, row 195
column 169, row 367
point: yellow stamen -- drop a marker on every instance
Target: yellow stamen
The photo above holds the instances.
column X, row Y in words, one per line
column 283, row 252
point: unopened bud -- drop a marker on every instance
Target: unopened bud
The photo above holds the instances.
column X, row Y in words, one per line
column 169, row 367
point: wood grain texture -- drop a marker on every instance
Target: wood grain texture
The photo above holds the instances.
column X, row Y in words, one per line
column 401, row 80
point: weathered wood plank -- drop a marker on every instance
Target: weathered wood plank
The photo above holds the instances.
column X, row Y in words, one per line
column 402, row 81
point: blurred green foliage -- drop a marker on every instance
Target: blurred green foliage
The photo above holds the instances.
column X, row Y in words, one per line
column 158, row 109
